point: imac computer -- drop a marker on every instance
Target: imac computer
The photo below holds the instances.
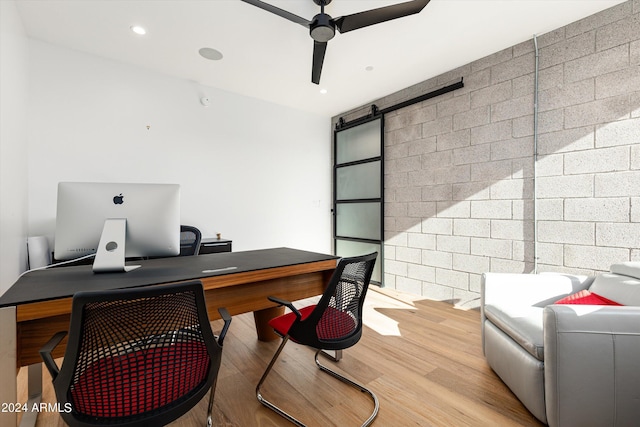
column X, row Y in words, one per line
column 117, row 221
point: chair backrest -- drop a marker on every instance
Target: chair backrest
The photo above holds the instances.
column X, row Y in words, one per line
column 336, row 321
column 141, row 356
column 190, row 238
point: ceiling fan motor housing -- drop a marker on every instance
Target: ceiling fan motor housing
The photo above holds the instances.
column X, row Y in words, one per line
column 322, row 28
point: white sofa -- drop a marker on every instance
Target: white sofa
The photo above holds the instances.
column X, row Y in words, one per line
column 570, row 365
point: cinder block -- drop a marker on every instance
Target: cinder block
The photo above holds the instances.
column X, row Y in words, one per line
column 609, row 159
column 421, row 209
column 421, row 272
column 553, row 187
column 492, row 132
column 456, row 244
column 437, row 226
column 512, row 149
column 437, row 159
column 451, row 278
column 470, row 191
column 550, row 209
column 499, row 265
column 425, row 176
column 396, row 268
column 452, row 106
column 472, row 227
column 635, row 157
column 597, row 64
column 449, row 141
column 551, row 253
column 406, row 164
column 517, row 107
column 580, row 138
column 512, row 189
column 550, row 165
column 495, row 248
column 564, row 95
column 433, row 193
column 568, row 49
column 405, row 284
column 593, row 257
column 409, row 255
column 470, row 263
column 421, row 146
column 408, row 194
column 435, row 258
column 421, row 241
column 578, row 233
column 491, row 209
column 491, row 94
column 395, row 180
column 437, row 127
column 634, row 53
column 454, row 209
column 618, row 33
column 509, row 70
column 490, row 171
column 453, row 174
column 422, row 114
column 472, row 118
column 615, row 234
column 403, row 134
column 598, row 209
column 617, row 184
column 620, row 82
column 592, row 22
column 523, row 251
column 512, row 229
column 597, row 112
column 473, row 154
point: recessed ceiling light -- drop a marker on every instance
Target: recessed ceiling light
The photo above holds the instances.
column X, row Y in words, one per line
column 369, row 68
column 138, row 30
column 209, row 53
column 323, row 91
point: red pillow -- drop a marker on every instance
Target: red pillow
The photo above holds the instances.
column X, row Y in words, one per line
column 587, row 298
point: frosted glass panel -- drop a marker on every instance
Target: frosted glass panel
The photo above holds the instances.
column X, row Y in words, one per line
column 359, row 220
column 358, row 143
column 358, row 181
column 347, row 248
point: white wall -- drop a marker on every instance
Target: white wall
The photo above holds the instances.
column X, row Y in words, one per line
column 256, row 172
column 13, row 144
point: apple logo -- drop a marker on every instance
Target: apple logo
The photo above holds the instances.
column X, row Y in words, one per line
column 119, row 199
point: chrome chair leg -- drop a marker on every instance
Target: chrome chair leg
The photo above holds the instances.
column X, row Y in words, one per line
column 210, row 408
column 264, row 401
column 354, row 384
column 323, row 368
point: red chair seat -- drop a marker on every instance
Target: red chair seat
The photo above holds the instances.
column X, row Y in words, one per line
column 140, row 381
column 333, row 324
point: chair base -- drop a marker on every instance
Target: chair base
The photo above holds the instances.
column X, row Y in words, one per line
column 323, row 368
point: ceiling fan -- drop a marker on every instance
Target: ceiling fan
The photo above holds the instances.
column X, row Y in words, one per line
column 323, row 27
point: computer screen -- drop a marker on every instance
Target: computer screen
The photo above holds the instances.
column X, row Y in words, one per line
column 116, row 220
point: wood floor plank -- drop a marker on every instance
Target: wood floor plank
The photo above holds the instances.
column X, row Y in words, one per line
column 422, row 358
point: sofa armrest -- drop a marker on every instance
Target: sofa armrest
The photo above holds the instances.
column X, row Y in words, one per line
column 592, row 368
column 537, row 290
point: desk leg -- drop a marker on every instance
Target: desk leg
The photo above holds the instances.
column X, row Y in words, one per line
column 8, row 380
column 34, row 389
column 262, row 317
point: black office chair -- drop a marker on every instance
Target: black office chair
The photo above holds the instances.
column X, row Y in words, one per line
column 190, row 238
column 335, row 323
column 136, row 357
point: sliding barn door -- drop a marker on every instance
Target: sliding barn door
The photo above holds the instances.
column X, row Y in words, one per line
column 358, row 191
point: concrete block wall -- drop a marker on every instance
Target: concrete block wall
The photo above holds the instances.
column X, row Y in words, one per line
column 459, row 168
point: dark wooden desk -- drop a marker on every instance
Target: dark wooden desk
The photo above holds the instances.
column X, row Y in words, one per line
column 39, row 303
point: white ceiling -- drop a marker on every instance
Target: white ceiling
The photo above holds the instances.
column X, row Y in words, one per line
column 268, row 57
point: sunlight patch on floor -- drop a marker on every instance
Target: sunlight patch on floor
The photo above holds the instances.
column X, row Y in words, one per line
column 380, row 299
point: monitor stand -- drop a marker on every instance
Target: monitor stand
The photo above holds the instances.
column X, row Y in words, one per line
column 110, row 254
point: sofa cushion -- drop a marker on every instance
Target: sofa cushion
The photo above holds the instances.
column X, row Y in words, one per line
column 523, row 324
column 587, row 298
column 630, row 268
column 616, row 287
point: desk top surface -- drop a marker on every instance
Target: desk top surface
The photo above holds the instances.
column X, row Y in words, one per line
column 64, row 282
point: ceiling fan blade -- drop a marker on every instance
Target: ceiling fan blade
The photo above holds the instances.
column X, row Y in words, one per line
column 280, row 12
column 376, row 16
column 319, row 49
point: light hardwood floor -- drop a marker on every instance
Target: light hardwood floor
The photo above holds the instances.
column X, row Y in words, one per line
column 422, row 358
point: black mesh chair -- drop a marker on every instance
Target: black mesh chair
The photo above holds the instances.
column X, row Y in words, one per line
column 136, row 357
column 335, row 323
column 190, row 238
